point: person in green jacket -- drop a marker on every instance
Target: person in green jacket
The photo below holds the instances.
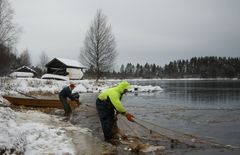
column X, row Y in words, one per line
column 107, row 103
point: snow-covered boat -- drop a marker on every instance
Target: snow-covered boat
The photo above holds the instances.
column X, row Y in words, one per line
column 36, row 102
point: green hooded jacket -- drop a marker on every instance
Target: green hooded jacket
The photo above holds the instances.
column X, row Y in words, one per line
column 115, row 95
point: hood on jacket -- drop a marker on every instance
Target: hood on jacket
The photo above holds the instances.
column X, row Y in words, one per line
column 123, row 85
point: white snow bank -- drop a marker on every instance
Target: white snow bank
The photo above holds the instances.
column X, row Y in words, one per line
column 35, row 133
column 54, row 76
column 149, row 88
column 26, row 85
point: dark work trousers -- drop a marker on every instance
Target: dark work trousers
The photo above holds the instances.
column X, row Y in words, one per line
column 106, row 114
column 65, row 104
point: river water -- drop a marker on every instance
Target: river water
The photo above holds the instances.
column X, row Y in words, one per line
column 206, row 108
column 203, row 108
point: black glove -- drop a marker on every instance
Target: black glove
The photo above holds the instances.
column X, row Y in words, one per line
column 75, row 96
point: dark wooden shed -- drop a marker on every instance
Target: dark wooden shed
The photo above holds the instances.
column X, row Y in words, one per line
column 66, row 67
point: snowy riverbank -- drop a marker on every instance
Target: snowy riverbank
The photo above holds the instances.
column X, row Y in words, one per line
column 32, row 131
column 34, row 85
column 35, row 132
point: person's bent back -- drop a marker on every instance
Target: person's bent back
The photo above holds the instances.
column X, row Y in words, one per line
column 65, row 93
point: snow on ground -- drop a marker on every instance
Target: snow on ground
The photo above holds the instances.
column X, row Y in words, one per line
column 34, row 132
column 31, row 136
column 26, row 85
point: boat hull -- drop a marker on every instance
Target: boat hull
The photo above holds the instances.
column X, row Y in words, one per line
column 43, row 103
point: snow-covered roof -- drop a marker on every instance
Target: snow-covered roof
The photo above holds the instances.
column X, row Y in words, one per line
column 70, row 62
column 24, row 69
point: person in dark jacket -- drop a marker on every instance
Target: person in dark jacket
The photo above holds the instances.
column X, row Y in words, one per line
column 107, row 103
column 65, row 93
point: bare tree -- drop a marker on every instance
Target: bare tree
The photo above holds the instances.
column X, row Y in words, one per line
column 99, row 51
column 43, row 60
column 8, row 36
column 24, row 58
column 8, row 30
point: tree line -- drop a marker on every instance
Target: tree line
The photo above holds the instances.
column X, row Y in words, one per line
column 196, row 67
column 10, row 61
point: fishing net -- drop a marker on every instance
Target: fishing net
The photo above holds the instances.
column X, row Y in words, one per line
column 156, row 135
column 143, row 136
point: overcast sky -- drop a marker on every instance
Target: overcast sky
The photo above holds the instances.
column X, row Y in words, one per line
column 154, row 31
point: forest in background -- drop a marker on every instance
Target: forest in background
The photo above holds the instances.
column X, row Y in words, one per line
column 196, row 67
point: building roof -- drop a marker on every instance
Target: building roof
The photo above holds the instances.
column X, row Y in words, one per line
column 69, row 62
column 66, row 62
column 25, row 69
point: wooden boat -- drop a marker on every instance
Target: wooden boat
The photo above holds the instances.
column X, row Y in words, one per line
column 36, row 102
